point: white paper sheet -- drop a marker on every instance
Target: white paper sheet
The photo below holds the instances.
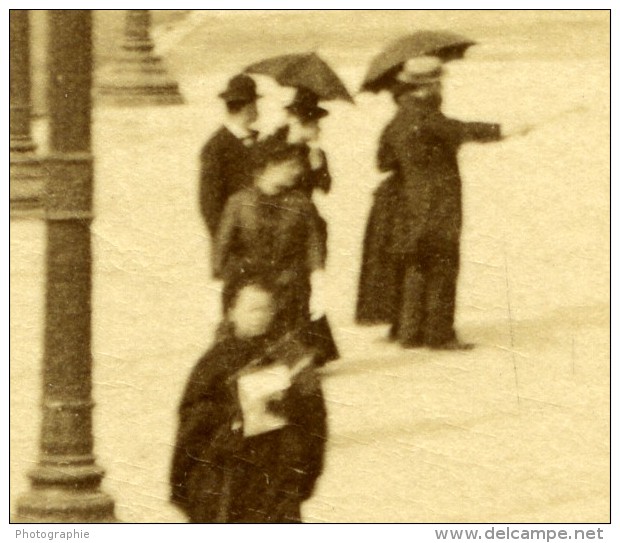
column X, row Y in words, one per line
column 255, row 390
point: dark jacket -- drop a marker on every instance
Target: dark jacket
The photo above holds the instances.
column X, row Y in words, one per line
column 422, row 197
column 420, row 145
column 225, row 168
column 310, row 179
column 274, row 238
column 218, row 475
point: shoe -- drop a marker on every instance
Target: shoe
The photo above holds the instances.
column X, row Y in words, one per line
column 385, row 339
column 453, row 345
column 413, row 345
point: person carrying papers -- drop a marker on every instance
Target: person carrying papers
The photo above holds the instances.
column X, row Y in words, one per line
column 252, row 421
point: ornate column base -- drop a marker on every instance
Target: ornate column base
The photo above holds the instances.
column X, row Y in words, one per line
column 67, row 493
column 137, row 80
column 26, row 186
column 46, row 506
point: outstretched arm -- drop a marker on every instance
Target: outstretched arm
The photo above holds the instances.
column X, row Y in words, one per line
column 463, row 132
column 521, row 129
column 481, row 132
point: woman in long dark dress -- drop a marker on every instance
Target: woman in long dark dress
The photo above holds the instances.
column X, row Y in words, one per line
column 272, row 231
column 221, row 474
column 301, row 135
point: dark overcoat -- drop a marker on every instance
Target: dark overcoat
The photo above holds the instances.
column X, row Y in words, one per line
column 225, row 168
column 218, row 475
column 422, row 197
column 274, row 238
column 279, row 240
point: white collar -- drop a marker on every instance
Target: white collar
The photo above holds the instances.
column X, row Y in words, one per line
column 238, row 131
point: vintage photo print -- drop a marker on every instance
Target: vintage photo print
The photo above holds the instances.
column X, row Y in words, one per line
column 319, row 266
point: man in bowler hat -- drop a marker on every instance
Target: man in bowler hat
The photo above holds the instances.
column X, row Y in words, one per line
column 225, row 160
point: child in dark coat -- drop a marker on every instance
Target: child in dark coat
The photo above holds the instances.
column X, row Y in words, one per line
column 222, row 471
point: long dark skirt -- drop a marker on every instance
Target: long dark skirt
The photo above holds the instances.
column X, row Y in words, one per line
column 378, row 292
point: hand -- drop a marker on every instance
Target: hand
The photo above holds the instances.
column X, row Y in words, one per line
column 317, row 295
column 316, row 157
column 510, row 130
column 317, row 310
column 307, row 381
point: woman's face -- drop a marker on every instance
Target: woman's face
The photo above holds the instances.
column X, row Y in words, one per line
column 278, row 176
column 304, row 131
column 252, row 312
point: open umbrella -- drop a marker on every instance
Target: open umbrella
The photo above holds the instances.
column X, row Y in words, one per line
column 305, row 70
column 443, row 44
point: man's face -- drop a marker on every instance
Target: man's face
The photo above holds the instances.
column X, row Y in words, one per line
column 250, row 113
column 430, row 92
column 252, row 312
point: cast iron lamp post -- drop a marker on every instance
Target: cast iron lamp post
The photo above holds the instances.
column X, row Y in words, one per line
column 65, row 484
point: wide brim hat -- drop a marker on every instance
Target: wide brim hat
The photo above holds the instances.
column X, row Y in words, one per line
column 305, row 105
column 420, row 71
column 241, row 88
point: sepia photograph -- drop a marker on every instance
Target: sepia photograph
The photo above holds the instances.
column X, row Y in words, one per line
column 310, row 266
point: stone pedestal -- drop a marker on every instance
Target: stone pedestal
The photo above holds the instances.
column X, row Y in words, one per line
column 65, row 483
column 26, row 182
column 138, row 77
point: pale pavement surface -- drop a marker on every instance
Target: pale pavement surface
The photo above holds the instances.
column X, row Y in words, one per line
column 516, row 430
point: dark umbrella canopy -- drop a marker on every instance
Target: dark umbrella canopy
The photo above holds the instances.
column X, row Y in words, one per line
column 443, row 44
column 305, row 70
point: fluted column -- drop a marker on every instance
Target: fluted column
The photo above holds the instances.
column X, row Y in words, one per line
column 138, row 76
column 26, row 174
column 65, row 483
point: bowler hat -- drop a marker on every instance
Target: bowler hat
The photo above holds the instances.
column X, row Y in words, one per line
column 241, row 88
column 305, row 105
column 420, row 71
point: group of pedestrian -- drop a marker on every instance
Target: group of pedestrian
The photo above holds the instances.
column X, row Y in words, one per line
column 269, row 249
column 411, row 248
column 256, row 200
